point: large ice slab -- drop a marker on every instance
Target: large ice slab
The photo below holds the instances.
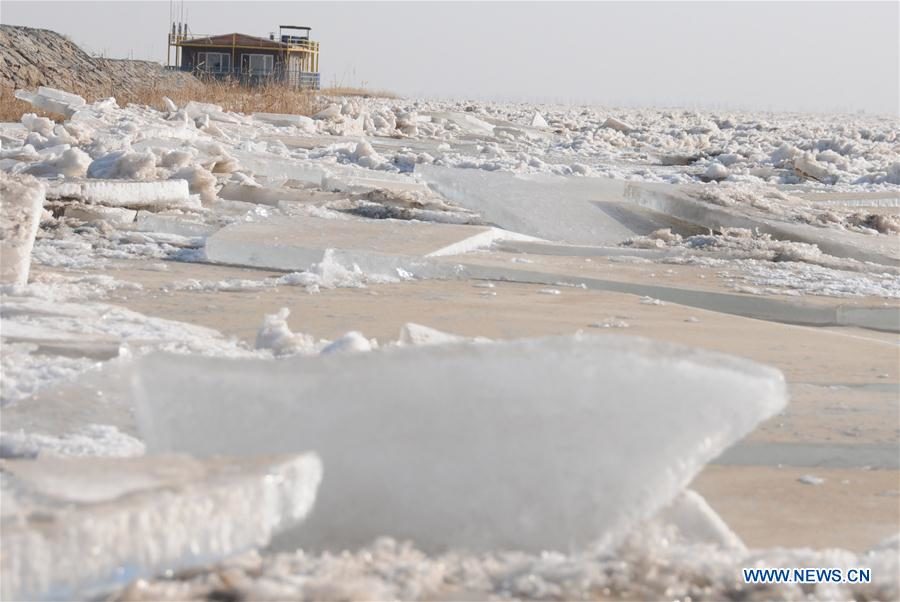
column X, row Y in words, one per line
column 52, row 100
column 297, row 243
column 603, row 211
column 21, row 204
column 126, row 193
column 277, row 167
column 74, row 528
column 535, row 444
column 577, row 210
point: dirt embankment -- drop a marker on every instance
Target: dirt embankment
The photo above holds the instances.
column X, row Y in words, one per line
column 31, row 57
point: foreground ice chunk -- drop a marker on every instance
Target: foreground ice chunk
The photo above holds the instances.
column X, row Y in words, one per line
column 73, row 528
column 534, row 444
column 52, row 100
column 21, row 203
column 124, row 193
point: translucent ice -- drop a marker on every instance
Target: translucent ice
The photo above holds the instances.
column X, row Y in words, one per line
column 577, row 210
column 534, row 444
column 21, row 203
column 74, row 528
column 125, row 193
column 301, row 121
column 52, row 100
column 297, row 243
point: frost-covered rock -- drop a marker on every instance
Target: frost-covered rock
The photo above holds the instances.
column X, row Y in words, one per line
column 536, row 444
column 21, row 204
column 105, row 522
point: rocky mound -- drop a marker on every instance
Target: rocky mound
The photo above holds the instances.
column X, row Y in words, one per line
column 31, row 57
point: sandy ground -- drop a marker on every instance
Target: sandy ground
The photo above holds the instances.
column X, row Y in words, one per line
column 843, row 381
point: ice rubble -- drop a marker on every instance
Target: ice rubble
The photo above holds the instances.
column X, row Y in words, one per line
column 106, row 522
column 656, row 564
column 454, row 446
column 91, row 440
column 21, row 205
column 35, row 321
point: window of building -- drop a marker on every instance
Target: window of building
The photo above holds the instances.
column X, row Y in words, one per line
column 258, row 64
column 213, row 62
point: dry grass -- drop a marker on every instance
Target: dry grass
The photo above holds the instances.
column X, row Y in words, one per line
column 232, row 97
column 354, row 91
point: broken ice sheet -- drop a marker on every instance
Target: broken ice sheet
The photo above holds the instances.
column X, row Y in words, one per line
column 21, row 203
column 539, row 444
column 379, row 248
column 74, row 528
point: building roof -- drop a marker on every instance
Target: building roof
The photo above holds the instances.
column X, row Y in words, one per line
column 236, row 39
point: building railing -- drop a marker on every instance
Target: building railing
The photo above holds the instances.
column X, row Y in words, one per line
column 196, row 39
column 288, row 77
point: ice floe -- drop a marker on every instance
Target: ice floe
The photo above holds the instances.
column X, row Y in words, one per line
column 539, row 459
column 105, row 522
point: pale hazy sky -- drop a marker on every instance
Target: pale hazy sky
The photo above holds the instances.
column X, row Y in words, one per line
column 818, row 56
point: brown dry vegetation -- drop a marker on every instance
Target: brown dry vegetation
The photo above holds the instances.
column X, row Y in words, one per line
column 356, row 91
column 232, row 97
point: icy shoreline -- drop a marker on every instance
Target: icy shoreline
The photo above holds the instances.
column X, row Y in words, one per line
column 390, row 192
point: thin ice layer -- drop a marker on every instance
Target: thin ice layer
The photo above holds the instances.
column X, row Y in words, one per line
column 124, row 193
column 21, row 203
column 73, row 528
column 298, row 242
column 535, row 444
